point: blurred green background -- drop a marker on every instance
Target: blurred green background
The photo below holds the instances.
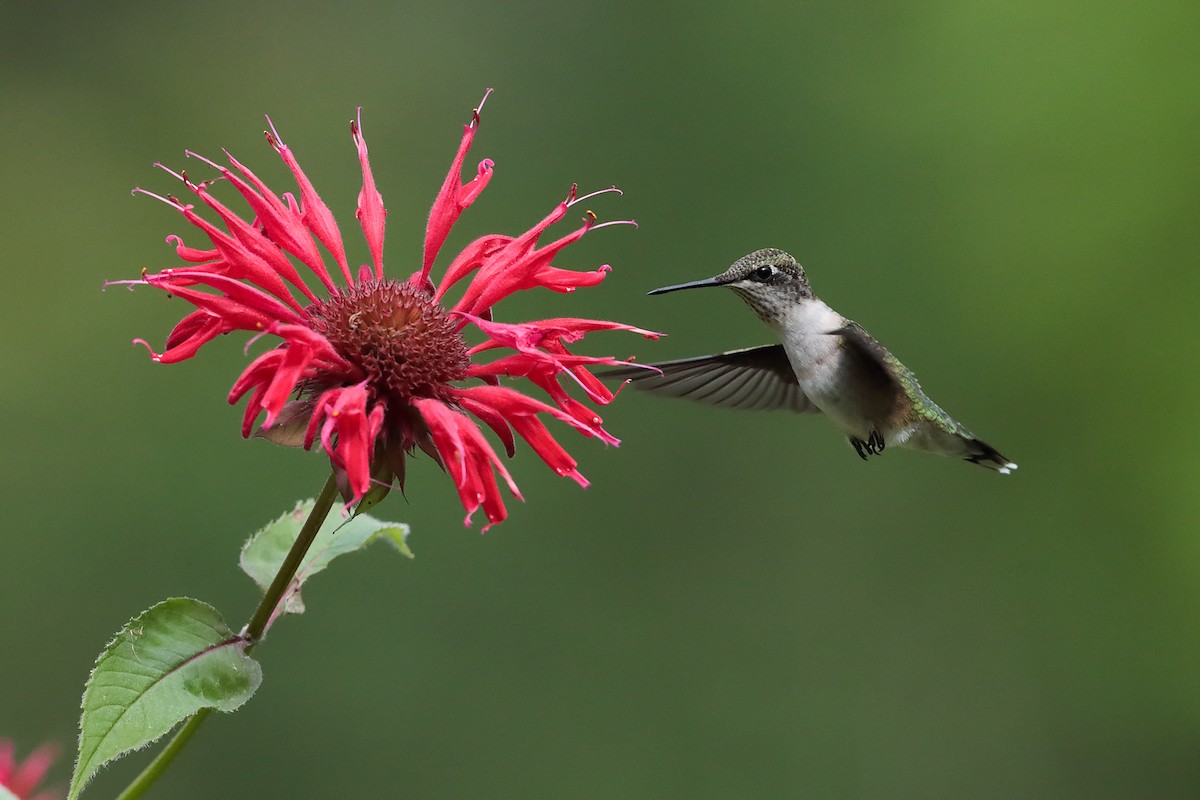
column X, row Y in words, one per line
column 1006, row 194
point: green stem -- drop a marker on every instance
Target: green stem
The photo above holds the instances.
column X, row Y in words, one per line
column 163, row 760
column 253, row 633
column 291, row 563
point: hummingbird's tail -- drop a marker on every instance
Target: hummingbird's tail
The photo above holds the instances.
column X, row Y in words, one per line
column 983, row 454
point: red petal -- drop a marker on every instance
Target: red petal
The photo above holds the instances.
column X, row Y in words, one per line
column 190, row 253
column 278, row 221
column 31, row 771
column 494, row 420
column 520, row 411
column 470, row 259
column 241, row 261
column 469, row 459
column 504, row 267
column 193, row 331
column 243, row 306
column 343, row 414
column 315, row 214
column 256, row 243
column 454, row 197
column 371, row 213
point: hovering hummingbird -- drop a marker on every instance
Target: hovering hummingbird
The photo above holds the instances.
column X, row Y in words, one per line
column 824, row 363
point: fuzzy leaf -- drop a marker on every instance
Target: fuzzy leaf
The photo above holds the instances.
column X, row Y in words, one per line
column 264, row 551
column 164, row 665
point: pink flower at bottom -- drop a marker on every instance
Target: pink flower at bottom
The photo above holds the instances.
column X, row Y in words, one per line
column 21, row 779
column 378, row 367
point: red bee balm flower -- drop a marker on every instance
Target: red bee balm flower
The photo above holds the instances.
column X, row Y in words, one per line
column 380, row 366
column 21, row 779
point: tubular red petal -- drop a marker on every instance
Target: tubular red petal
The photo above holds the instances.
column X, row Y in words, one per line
column 597, row 392
column 314, row 213
column 279, row 222
column 29, row 773
column 548, row 449
column 320, row 410
column 345, row 416
column 494, row 420
column 287, row 375
column 503, row 274
column 467, row 457
column 566, row 280
column 274, row 376
column 454, row 196
column 534, row 270
column 257, row 374
column 257, row 245
column 521, row 412
column 546, row 367
column 547, row 381
column 241, row 261
column 192, row 333
column 577, row 328
column 371, row 213
column 469, row 260
column 191, row 254
column 253, row 409
column 193, row 324
column 239, row 301
column 511, row 405
column 321, row 347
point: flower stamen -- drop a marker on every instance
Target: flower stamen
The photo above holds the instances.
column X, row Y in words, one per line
column 573, row 200
column 475, row 112
column 612, row 222
column 173, row 202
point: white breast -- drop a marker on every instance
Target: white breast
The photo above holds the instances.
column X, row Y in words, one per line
column 814, row 355
column 805, row 335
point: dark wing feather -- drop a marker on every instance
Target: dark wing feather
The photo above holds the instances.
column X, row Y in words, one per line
column 757, row 378
column 893, row 380
column 880, row 372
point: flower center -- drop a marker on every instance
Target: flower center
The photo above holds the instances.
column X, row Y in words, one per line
column 401, row 339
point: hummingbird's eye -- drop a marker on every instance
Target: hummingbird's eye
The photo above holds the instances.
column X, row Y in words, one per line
column 764, row 272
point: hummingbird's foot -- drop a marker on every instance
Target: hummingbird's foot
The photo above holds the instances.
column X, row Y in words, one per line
column 873, row 446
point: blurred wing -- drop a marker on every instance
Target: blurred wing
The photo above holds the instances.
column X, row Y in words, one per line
column 756, row 379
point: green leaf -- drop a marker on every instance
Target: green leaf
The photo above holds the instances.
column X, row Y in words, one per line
column 165, row 665
column 264, row 551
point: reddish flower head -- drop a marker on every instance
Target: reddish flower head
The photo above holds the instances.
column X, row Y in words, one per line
column 21, row 779
column 378, row 366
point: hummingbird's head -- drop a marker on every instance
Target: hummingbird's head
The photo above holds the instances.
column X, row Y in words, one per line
column 769, row 280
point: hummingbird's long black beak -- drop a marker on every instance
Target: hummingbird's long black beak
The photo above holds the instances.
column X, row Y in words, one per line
column 690, row 285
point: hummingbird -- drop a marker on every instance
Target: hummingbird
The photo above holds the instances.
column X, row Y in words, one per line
column 824, row 363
